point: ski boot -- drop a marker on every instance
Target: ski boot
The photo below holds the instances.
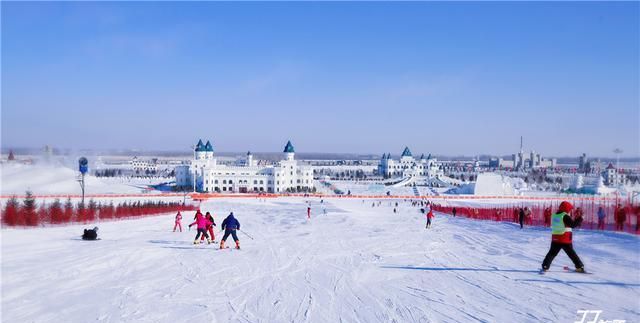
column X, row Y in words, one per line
column 196, row 241
column 208, row 241
column 221, row 244
column 237, row 244
column 580, row 270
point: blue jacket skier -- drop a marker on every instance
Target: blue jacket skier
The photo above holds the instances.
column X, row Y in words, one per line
column 230, row 225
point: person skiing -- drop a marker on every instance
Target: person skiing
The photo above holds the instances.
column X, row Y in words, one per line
column 561, row 237
column 201, row 223
column 230, row 225
column 178, row 223
column 308, row 212
column 521, row 218
column 210, row 224
column 429, row 217
column 578, row 218
column 601, row 216
column 621, row 216
column 453, row 211
column 547, row 217
column 90, row 234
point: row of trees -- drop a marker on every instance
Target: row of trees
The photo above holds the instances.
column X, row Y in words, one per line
column 28, row 213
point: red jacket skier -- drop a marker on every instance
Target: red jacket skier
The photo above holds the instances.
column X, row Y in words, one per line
column 201, row 223
column 561, row 237
column 430, row 216
column 210, row 226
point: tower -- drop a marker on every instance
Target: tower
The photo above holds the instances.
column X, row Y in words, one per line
column 249, row 159
column 289, row 151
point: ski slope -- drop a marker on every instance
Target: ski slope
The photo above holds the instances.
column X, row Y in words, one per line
column 354, row 264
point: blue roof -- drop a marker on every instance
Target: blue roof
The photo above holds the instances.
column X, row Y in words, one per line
column 406, row 152
column 289, row 147
column 384, row 156
column 200, row 146
column 389, row 156
column 422, row 156
column 208, row 146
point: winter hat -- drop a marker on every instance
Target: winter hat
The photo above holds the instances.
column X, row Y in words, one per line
column 95, row 229
column 565, row 207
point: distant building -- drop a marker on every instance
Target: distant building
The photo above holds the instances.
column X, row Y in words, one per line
column 139, row 165
column 408, row 166
column 522, row 161
column 11, row 156
column 206, row 175
column 612, row 177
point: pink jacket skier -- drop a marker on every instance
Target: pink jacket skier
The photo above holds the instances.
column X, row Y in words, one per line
column 202, row 223
column 178, row 223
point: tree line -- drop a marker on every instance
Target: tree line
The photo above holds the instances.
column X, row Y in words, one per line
column 29, row 213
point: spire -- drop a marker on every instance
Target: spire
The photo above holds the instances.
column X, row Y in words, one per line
column 200, row 146
column 208, row 146
column 289, row 148
column 406, row 152
column 384, row 156
column 248, row 153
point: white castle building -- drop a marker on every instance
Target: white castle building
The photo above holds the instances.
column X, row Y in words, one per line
column 408, row 166
column 205, row 175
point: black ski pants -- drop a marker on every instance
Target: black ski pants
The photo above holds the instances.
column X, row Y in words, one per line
column 553, row 252
column 202, row 231
column 231, row 232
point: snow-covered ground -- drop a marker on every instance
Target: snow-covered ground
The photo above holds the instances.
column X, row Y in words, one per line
column 354, row 264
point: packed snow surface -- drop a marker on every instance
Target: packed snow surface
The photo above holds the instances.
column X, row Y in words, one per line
column 356, row 263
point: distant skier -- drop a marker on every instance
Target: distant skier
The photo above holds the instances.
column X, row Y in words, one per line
column 201, row 223
column 547, row 217
column 90, row 234
column 230, row 225
column 561, row 237
column 601, row 218
column 429, row 217
column 210, row 224
column 521, row 217
column 578, row 213
column 621, row 216
column 178, row 223
column 394, row 210
column 453, row 211
column 308, row 212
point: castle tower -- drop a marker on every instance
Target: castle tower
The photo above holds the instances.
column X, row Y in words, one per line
column 289, row 151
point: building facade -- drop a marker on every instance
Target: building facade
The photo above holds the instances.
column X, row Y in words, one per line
column 204, row 174
column 408, row 166
column 139, row 165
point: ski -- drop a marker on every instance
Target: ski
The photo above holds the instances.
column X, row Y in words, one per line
column 571, row 270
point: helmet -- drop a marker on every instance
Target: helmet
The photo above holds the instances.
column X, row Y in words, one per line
column 565, row 207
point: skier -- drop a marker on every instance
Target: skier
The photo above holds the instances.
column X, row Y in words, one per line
column 621, row 216
column 453, row 211
column 230, row 225
column 308, row 212
column 201, row 223
column 90, row 234
column 578, row 218
column 429, row 217
column 178, row 223
column 210, row 226
column 547, row 217
column 601, row 217
column 561, row 237
column 521, row 217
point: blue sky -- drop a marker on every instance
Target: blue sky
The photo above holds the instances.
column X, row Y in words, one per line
column 445, row 78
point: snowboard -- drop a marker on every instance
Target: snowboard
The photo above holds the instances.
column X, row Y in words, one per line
column 565, row 269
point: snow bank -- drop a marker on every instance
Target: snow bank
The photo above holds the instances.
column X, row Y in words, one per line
column 491, row 184
column 50, row 179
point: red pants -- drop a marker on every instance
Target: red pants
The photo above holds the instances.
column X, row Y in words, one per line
column 210, row 229
column 177, row 225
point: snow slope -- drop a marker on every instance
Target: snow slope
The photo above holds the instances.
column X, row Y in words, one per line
column 354, row 264
column 50, row 179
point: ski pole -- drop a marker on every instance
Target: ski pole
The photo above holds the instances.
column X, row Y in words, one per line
column 247, row 234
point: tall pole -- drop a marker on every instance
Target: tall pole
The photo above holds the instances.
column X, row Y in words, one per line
column 82, row 186
column 617, row 151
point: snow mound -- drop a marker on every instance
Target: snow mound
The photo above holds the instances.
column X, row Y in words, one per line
column 491, row 184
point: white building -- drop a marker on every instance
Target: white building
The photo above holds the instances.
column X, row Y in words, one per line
column 139, row 165
column 204, row 174
column 408, row 166
column 612, row 177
